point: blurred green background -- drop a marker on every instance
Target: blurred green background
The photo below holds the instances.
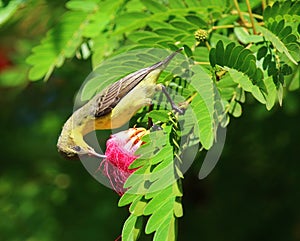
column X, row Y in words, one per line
column 252, row 194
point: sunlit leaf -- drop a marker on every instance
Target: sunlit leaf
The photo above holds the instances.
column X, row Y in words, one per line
column 278, row 44
column 132, row 228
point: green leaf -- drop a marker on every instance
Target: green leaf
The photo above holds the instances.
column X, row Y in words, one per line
column 188, row 127
column 230, row 62
column 164, row 167
column 167, row 230
column 136, row 180
column 272, row 92
column 246, row 66
column 278, row 44
column 242, row 58
column 138, row 35
column 213, row 57
column 176, row 4
column 183, row 25
column 193, row 3
column 137, row 207
column 246, row 38
column 196, row 20
column 244, row 81
column 86, row 6
column 228, row 50
column 170, row 32
column 133, row 20
column 103, row 46
column 163, row 176
column 280, row 94
column 220, row 53
column 283, row 32
column 154, row 6
column 66, row 37
column 161, row 214
column 227, row 87
column 266, row 62
column 151, row 40
column 293, row 80
column 127, row 198
column 132, row 228
column 175, row 191
column 281, row 9
column 215, row 37
column 262, row 52
column 157, row 201
column 235, row 109
column 138, row 163
column 239, row 58
column 294, row 49
column 154, row 140
column 155, row 24
column 161, row 154
column 7, row 12
column 178, row 211
column 203, row 105
column 267, row 12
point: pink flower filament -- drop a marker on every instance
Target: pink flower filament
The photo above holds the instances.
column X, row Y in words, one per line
column 120, row 149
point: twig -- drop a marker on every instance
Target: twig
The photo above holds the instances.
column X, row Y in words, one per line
column 251, row 16
column 255, row 16
column 222, row 26
column 207, row 45
column 263, row 4
column 200, row 63
column 239, row 12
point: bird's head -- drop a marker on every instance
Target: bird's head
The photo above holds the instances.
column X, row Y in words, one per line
column 72, row 145
column 75, row 152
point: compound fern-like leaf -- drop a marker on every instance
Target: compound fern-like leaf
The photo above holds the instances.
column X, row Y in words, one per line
column 238, row 58
column 281, row 37
column 281, row 8
column 83, row 20
column 203, row 105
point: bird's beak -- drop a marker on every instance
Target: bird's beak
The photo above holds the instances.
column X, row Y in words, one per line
column 95, row 154
column 163, row 64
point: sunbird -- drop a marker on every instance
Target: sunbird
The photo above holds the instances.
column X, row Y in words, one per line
column 112, row 108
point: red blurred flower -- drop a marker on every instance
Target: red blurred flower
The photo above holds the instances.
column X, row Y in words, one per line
column 5, row 62
column 120, row 149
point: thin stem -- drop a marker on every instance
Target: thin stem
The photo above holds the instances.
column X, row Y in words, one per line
column 233, row 98
column 221, row 73
column 184, row 105
column 263, row 4
column 247, row 25
column 251, row 16
column 239, row 11
column 204, row 63
column 189, row 100
column 207, row 45
column 223, row 26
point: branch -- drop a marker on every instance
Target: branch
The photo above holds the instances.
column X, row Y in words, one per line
column 239, row 12
column 251, row 16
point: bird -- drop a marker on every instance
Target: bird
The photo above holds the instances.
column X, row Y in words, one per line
column 112, row 107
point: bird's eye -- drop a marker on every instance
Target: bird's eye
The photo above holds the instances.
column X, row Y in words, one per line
column 76, row 148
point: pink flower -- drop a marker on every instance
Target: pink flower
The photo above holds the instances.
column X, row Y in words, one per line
column 120, row 149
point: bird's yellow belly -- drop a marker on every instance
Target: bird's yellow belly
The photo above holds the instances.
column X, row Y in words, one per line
column 136, row 99
column 107, row 122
